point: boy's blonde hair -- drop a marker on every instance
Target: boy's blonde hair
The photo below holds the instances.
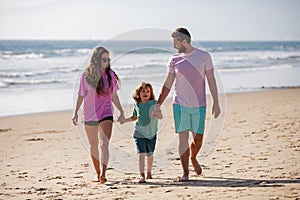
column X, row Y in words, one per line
column 136, row 95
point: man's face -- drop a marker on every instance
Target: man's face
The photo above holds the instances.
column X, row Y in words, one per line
column 178, row 45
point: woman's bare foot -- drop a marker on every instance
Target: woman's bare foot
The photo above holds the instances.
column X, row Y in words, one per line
column 149, row 175
column 96, row 179
column 102, row 179
column 197, row 167
column 142, row 180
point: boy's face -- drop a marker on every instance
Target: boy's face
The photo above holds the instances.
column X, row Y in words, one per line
column 145, row 93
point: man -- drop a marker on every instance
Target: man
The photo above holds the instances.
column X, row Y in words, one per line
column 189, row 67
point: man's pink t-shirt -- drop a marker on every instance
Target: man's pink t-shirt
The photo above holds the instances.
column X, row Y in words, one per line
column 189, row 72
column 97, row 107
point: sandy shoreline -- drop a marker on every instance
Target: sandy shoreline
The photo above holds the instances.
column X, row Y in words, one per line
column 257, row 156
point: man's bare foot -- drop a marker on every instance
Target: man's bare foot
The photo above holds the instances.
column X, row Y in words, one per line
column 197, row 167
column 184, row 178
column 149, row 175
column 142, row 180
column 96, row 179
column 102, row 179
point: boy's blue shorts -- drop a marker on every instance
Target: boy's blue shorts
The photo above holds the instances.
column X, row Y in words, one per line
column 145, row 145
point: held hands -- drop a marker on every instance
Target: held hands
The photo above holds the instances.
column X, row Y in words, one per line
column 156, row 111
column 121, row 118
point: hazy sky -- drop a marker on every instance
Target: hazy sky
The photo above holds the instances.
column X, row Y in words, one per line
column 99, row 19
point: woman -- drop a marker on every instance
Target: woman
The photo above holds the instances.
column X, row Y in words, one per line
column 98, row 89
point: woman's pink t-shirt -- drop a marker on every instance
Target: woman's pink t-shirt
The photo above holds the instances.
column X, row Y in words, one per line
column 95, row 106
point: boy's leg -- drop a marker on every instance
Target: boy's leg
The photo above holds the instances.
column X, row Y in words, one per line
column 195, row 148
column 149, row 166
column 142, row 167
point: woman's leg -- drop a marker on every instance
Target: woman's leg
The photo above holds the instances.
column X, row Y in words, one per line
column 105, row 129
column 92, row 135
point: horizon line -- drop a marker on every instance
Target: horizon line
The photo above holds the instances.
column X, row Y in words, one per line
column 98, row 39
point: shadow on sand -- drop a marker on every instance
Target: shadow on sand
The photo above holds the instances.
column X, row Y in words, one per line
column 218, row 182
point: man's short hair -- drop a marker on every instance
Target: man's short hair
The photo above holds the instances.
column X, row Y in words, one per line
column 182, row 34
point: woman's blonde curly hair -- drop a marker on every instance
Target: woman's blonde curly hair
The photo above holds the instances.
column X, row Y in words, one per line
column 93, row 72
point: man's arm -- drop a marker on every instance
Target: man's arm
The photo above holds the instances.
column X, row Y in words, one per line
column 214, row 92
column 166, row 88
column 164, row 93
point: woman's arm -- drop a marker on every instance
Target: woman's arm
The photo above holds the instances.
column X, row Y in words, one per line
column 75, row 114
column 116, row 101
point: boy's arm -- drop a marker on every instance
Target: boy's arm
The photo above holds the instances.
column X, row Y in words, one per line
column 130, row 119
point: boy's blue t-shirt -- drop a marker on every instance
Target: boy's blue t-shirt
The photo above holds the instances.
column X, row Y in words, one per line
column 146, row 126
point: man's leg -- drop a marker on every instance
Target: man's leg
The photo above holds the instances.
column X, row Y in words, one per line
column 195, row 148
column 184, row 153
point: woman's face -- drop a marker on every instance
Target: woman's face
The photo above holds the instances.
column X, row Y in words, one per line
column 105, row 60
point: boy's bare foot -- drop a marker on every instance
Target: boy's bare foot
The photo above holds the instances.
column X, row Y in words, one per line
column 142, row 180
column 149, row 175
column 197, row 167
column 102, row 179
column 184, row 178
column 96, row 179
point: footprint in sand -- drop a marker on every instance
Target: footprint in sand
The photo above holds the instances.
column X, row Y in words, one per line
column 129, row 192
column 5, row 129
column 34, row 139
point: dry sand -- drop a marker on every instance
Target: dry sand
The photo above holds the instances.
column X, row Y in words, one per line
column 257, row 156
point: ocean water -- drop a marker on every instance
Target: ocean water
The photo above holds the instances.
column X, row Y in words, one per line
column 40, row 76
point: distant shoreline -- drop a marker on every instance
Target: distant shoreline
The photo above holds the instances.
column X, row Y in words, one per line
column 261, row 90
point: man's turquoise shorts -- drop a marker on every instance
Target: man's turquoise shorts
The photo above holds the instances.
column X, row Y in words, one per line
column 192, row 119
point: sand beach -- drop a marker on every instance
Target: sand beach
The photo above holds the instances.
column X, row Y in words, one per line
column 257, row 156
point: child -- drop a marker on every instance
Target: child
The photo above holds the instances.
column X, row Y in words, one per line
column 145, row 128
